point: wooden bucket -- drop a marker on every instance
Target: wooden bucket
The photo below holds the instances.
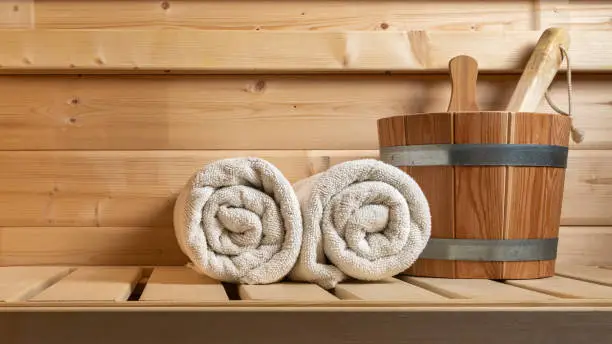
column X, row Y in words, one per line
column 494, row 182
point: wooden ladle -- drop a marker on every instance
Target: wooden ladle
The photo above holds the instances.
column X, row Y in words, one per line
column 464, row 75
column 540, row 71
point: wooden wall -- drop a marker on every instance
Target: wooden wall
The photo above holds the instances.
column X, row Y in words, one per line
column 107, row 107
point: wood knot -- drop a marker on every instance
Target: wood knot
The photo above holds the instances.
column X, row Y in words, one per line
column 257, row 87
column 74, row 101
column 16, row 8
column 384, row 26
column 72, row 120
column 260, row 86
column 165, row 5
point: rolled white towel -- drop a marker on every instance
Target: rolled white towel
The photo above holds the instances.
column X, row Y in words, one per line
column 369, row 219
column 238, row 220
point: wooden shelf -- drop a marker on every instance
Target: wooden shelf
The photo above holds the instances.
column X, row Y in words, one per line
column 109, row 304
column 217, row 51
column 128, row 287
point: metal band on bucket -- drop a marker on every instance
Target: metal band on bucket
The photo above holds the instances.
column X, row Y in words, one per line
column 476, row 155
column 491, row 250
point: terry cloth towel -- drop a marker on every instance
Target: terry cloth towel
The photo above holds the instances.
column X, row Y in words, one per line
column 369, row 219
column 238, row 220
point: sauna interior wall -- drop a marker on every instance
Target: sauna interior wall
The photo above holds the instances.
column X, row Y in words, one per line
column 90, row 163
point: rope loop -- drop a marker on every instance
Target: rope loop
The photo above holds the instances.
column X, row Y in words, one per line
column 577, row 134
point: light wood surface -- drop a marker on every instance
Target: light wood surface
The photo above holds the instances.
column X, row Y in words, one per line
column 324, row 15
column 464, row 77
column 89, row 246
column 181, row 284
column 320, row 15
column 586, row 273
column 388, row 289
column 75, row 51
column 474, row 289
column 285, row 291
column 540, row 70
column 100, row 112
column 157, row 246
column 19, row 283
column 93, row 284
column 565, row 287
column 574, row 15
column 585, row 245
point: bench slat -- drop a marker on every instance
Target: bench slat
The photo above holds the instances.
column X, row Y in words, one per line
column 182, row 284
column 285, row 292
column 390, row 289
column 93, row 284
column 475, row 289
column 18, row 283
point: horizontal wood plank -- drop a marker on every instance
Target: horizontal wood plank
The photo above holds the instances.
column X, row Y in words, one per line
column 300, row 325
column 320, row 15
column 481, row 289
column 284, row 292
column 565, row 287
column 89, row 246
column 17, row 14
column 93, row 284
column 212, row 51
column 181, row 284
column 585, row 246
column 577, row 14
column 267, row 112
column 586, row 273
column 388, row 289
column 138, row 188
column 18, row 283
column 157, row 246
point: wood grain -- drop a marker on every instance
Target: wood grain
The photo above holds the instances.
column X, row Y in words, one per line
column 285, row 292
column 464, row 78
column 388, row 289
column 436, row 182
column 138, row 188
column 181, row 284
column 586, row 273
column 228, row 51
column 157, row 246
column 93, row 284
column 18, row 283
column 101, row 112
column 534, row 194
column 323, row 15
column 575, row 15
column 585, row 246
column 480, row 191
column 479, row 289
column 565, row 287
column 17, row 14
column 89, row 246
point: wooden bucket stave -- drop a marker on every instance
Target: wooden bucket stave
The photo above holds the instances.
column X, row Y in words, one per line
column 485, row 202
